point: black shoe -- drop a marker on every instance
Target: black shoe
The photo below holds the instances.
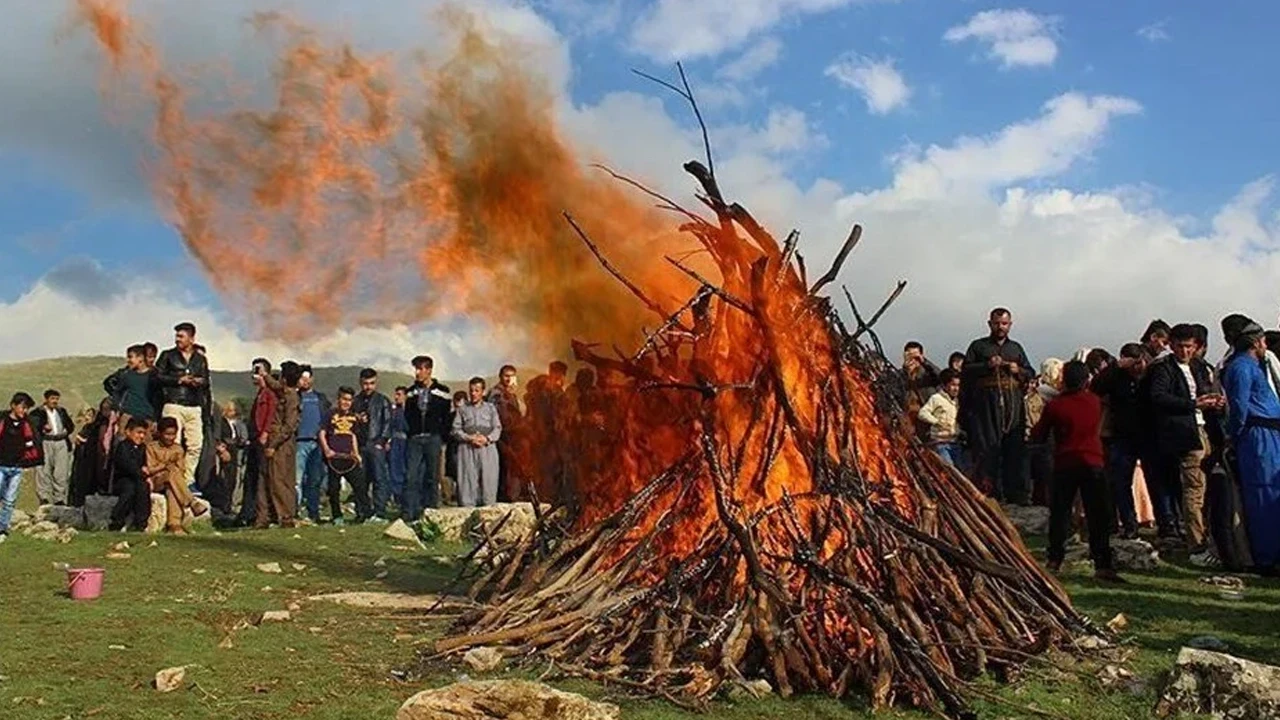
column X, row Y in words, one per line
column 1109, row 576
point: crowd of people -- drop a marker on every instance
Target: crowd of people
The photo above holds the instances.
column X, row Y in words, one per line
column 159, row 431
column 1102, row 434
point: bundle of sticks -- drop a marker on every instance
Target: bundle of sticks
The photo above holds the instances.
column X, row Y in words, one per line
column 764, row 514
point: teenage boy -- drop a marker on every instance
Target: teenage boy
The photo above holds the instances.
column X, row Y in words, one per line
column 1074, row 419
column 940, row 415
column 338, row 442
column 134, row 389
column 375, row 431
column 20, row 449
column 183, row 372
column 166, row 461
column 427, row 411
column 133, row 506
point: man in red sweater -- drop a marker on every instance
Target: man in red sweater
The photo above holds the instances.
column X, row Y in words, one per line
column 1074, row 418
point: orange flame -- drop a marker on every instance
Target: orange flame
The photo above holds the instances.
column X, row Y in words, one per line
column 363, row 197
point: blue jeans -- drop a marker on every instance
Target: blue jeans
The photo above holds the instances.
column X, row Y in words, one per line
column 398, row 461
column 10, row 481
column 952, row 453
column 379, row 477
column 310, row 473
column 1122, row 459
column 422, row 486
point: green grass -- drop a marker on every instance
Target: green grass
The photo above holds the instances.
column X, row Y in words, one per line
column 333, row 662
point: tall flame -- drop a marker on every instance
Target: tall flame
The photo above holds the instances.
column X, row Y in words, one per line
column 369, row 196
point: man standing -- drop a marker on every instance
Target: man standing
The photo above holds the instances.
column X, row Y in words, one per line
column 920, row 378
column 280, row 445
column 233, row 438
column 1181, row 394
column 260, row 417
column 1122, row 436
column 374, row 433
column 428, row 407
column 313, row 408
column 54, row 426
column 505, row 397
column 398, row 458
column 477, row 428
column 183, row 372
column 992, row 412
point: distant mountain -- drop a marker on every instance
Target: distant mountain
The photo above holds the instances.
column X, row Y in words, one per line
column 79, row 379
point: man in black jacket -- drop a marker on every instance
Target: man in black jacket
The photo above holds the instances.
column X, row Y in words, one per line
column 54, row 425
column 1181, row 392
column 374, row 434
column 428, row 406
column 183, row 373
column 1118, row 385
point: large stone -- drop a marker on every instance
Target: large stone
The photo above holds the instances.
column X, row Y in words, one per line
column 458, row 524
column 19, row 521
column 503, row 700
column 66, row 516
column 97, row 512
column 1220, row 686
column 400, row 530
column 482, row 659
column 1030, row 520
column 1126, row 554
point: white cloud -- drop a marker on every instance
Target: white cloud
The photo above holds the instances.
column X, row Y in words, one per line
column 684, row 29
column 1155, row 32
column 753, row 61
column 971, row 223
column 880, row 83
column 1017, row 38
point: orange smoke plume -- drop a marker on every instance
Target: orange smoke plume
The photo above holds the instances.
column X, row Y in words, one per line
column 368, row 196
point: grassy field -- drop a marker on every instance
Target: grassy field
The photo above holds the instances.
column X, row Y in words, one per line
column 179, row 601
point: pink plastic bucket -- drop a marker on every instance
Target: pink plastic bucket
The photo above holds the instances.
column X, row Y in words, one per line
column 84, row 583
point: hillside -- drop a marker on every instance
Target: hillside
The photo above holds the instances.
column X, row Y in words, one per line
column 79, row 379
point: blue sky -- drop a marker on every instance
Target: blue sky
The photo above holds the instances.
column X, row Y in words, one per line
column 1196, row 127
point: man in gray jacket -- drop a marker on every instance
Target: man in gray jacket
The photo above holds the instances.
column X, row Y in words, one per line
column 477, row 428
column 374, row 434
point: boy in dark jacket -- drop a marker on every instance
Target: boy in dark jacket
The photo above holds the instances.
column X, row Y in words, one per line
column 20, row 448
column 133, row 508
column 1074, row 418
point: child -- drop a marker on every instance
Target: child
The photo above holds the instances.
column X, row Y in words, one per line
column 134, row 388
column 166, row 461
column 338, row 442
column 19, row 450
column 1074, row 418
column 133, row 506
column 939, row 414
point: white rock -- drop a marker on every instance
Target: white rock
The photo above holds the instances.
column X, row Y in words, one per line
column 1220, row 686
column 400, row 530
column 271, row 568
column 170, row 679
column 275, row 616
column 483, row 659
column 159, row 514
column 495, row 699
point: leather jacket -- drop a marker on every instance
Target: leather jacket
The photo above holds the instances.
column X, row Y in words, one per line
column 377, row 407
column 171, row 366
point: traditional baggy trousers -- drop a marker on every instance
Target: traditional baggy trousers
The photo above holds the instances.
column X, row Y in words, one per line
column 477, row 475
column 276, row 490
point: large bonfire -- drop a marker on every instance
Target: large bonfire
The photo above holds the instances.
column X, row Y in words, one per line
column 746, row 503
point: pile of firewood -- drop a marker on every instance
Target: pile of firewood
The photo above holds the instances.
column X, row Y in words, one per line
column 763, row 514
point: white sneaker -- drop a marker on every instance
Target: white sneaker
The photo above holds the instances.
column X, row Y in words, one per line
column 3, row 536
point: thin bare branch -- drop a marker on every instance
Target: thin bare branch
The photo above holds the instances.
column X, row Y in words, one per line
column 902, row 285
column 849, row 244
column 720, row 293
column 595, row 250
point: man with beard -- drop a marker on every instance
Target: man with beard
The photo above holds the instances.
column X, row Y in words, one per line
column 374, row 434
column 992, row 412
column 280, row 446
column 1253, row 424
column 505, row 397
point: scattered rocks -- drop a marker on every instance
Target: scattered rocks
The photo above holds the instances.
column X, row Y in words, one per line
column 379, row 600
column 298, row 567
column 19, row 521
column 748, row 690
column 483, row 659
column 294, row 607
column 271, row 568
column 170, row 679
column 1118, row 623
column 380, row 562
column 1092, row 642
column 118, row 556
column 1029, row 520
column 1221, row 686
column 120, row 546
column 65, row 516
column 400, row 530
column 271, row 616
column 495, row 699
column 49, row 531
